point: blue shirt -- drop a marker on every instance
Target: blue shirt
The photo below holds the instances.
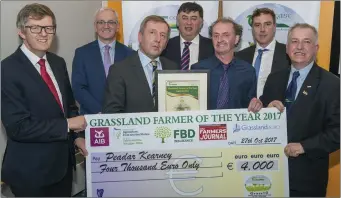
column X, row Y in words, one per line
column 148, row 68
column 241, row 77
column 303, row 75
column 111, row 50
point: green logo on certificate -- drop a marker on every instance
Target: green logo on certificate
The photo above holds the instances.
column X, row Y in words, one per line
column 162, row 132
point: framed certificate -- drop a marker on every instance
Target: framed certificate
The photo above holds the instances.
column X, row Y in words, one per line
column 178, row 90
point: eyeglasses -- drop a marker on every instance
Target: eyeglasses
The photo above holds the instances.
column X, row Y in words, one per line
column 110, row 23
column 36, row 29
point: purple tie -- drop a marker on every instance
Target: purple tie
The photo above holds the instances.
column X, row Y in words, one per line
column 223, row 92
column 107, row 59
column 185, row 56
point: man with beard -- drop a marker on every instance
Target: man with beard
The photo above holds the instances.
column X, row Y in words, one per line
column 232, row 81
column 189, row 47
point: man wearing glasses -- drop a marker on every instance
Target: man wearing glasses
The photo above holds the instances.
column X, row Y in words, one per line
column 38, row 112
column 92, row 62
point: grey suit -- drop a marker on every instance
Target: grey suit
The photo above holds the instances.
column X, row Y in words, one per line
column 127, row 89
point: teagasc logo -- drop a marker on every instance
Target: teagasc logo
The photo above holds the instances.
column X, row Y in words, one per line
column 99, row 136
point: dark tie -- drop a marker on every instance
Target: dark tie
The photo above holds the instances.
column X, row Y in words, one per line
column 259, row 60
column 223, row 92
column 185, row 56
column 154, row 64
column 291, row 91
column 46, row 77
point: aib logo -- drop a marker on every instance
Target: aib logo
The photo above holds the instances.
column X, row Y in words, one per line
column 99, row 136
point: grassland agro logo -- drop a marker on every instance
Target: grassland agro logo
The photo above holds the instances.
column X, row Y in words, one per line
column 258, row 186
column 163, row 133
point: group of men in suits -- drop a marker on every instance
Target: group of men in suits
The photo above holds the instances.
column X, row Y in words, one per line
column 41, row 117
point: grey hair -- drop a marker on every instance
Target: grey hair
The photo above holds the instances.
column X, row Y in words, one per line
column 104, row 9
column 303, row 26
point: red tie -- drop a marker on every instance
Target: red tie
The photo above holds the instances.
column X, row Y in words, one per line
column 48, row 81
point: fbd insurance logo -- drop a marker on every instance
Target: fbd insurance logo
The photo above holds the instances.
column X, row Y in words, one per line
column 99, row 136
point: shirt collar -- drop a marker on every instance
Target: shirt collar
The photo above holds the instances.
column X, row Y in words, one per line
column 145, row 60
column 304, row 71
column 270, row 47
column 194, row 41
column 30, row 55
column 101, row 44
column 220, row 64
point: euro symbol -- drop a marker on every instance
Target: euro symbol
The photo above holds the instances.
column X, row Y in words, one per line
column 185, row 176
column 229, row 166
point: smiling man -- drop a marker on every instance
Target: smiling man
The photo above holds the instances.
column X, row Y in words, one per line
column 267, row 55
column 130, row 85
column 311, row 96
column 38, row 112
column 189, row 47
column 92, row 61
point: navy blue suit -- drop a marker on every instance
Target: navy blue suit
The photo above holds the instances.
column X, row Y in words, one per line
column 88, row 75
column 241, row 77
column 39, row 150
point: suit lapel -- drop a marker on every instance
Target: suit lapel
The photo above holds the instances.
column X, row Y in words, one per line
column 177, row 56
column 118, row 56
column 59, row 76
column 201, row 48
column 307, row 92
column 277, row 60
column 253, row 52
column 141, row 77
column 97, row 62
column 31, row 71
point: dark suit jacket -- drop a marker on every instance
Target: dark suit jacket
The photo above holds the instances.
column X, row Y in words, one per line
column 88, row 75
column 173, row 49
column 39, row 145
column 241, row 78
column 314, row 121
column 280, row 59
column 127, row 89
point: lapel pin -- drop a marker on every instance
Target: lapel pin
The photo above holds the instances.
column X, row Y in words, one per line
column 308, row 86
column 305, row 93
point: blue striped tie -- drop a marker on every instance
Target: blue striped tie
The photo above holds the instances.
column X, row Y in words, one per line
column 154, row 64
column 223, row 93
column 185, row 56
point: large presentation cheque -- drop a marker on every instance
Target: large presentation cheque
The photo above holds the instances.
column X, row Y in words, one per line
column 216, row 153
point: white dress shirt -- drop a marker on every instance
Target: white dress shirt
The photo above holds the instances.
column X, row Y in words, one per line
column 265, row 66
column 34, row 60
column 193, row 50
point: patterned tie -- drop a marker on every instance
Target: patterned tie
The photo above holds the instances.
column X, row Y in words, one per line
column 46, row 77
column 223, row 92
column 259, row 60
column 291, row 91
column 154, row 64
column 107, row 59
column 185, row 56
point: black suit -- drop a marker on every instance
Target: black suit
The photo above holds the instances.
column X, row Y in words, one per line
column 280, row 59
column 127, row 89
column 314, row 121
column 173, row 49
column 40, row 152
